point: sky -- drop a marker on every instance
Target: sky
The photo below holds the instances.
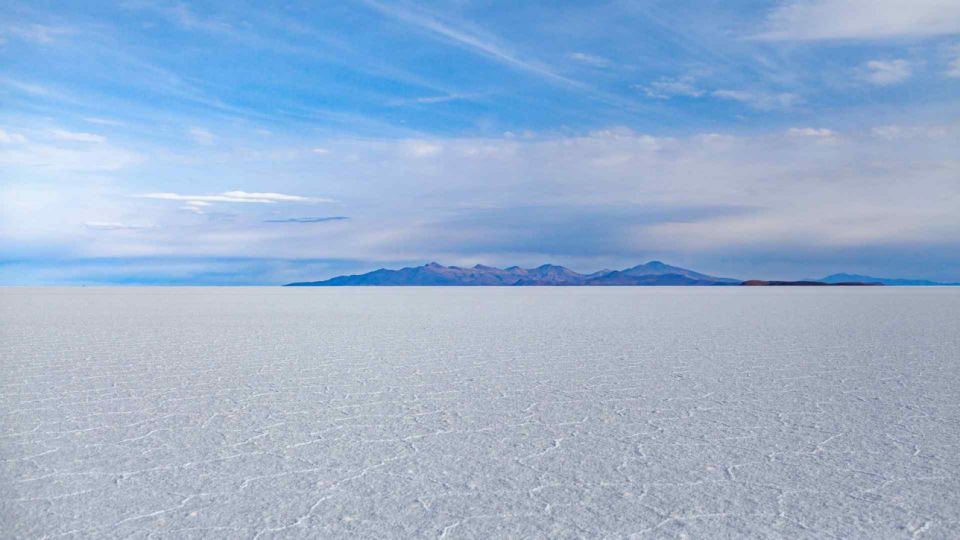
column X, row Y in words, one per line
column 233, row 142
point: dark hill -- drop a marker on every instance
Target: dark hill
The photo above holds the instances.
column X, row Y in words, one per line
column 762, row 283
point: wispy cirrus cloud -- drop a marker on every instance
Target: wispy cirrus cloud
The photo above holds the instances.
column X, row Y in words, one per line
column 187, row 18
column 30, row 88
column 77, row 136
column 761, row 100
column 430, row 100
column 35, row 33
column 590, row 59
column 887, row 72
column 465, row 36
column 669, row 87
column 470, row 37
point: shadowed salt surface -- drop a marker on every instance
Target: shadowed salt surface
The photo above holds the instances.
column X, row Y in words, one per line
column 475, row 413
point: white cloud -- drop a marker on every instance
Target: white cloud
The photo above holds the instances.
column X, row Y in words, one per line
column 811, row 132
column 35, row 33
column 77, row 136
column 29, row 88
column 192, row 21
column 861, row 19
column 185, row 17
column 761, row 100
column 201, row 136
column 666, row 88
column 953, row 69
column 887, row 132
column 276, row 197
column 443, row 99
column 234, row 197
column 887, row 72
column 590, row 59
column 430, row 100
column 953, row 65
column 115, row 226
column 8, row 137
column 422, row 149
column 893, row 132
column 102, row 121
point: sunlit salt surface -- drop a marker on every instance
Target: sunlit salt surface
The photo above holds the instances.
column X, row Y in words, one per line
column 476, row 413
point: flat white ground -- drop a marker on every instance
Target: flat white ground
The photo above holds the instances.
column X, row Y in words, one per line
column 477, row 413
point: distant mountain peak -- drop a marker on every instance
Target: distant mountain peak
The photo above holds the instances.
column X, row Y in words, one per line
column 660, row 268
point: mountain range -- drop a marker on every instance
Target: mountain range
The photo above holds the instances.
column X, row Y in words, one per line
column 433, row 274
column 652, row 273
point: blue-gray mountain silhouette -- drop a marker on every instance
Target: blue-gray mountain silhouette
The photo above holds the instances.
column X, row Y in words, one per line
column 840, row 278
column 433, row 274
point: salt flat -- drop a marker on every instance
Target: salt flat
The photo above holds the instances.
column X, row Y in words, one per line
column 478, row 413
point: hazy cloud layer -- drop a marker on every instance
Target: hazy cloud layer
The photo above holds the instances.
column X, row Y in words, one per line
column 861, row 19
column 602, row 199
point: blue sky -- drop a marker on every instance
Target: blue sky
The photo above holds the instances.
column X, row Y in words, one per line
column 243, row 143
